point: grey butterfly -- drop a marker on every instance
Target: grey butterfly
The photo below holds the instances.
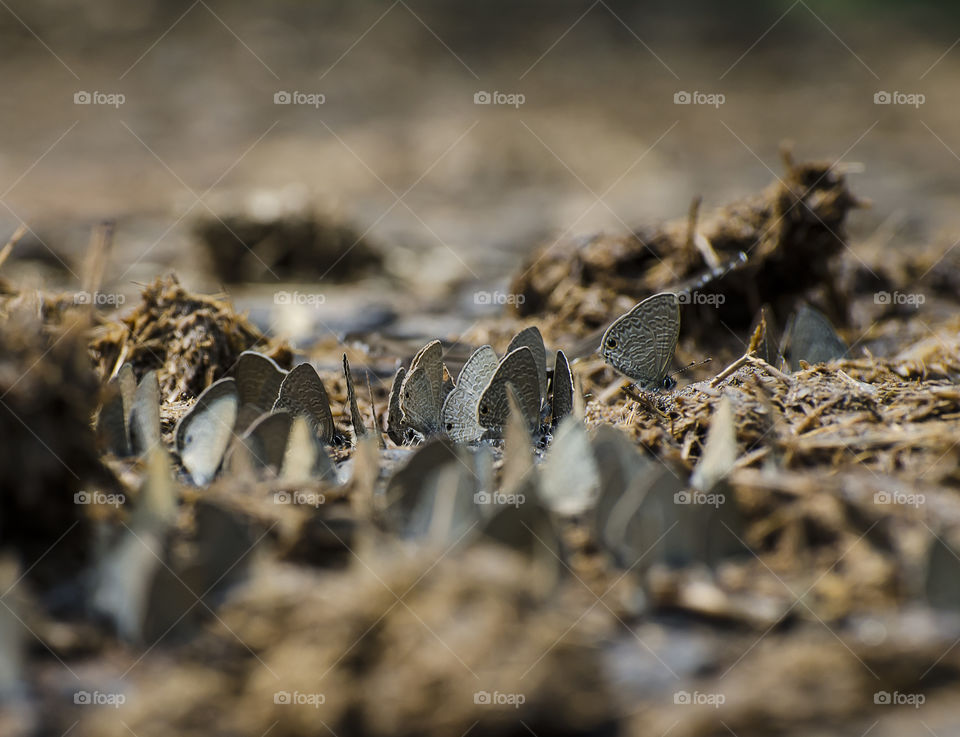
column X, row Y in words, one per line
column 618, row 463
column 113, row 423
column 135, row 582
column 302, row 393
column 305, row 458
column 204, row 432
column 943, row 570
column 518, row 368
column 640, row 527
column 570, row 479
column 532, row 339
column 459, row 412
column 657, row 520
column 224, row 539
column 524, row 525
column 422, row 390
column 517, row 468
column 562, row 403
column 359, row 430
column 125, row 580
column 764, row 328
column 719, row 451
column 145, row 415
column 432, row 494
column 641, row 343
column 266, row 439
column 258, row 380
column 812, row 338
column 396, row 428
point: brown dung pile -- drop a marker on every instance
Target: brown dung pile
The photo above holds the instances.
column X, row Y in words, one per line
column 192, row 340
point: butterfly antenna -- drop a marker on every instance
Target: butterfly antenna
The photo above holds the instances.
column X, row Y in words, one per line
column 692, row 364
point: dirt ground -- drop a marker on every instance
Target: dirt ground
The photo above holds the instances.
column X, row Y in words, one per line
column 362, row 178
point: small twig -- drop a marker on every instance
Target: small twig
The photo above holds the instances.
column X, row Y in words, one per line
column 772, row 370
column 643, row 400
column 373, row 413
column 729, row 370
column 692, row 217
column 101, row 241
column 613, row 390
column 17, row 235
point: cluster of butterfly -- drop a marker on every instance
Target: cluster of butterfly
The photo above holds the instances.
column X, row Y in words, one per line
column 253, row 417
column 642, row 512
column 425, row 402
column 262, row 416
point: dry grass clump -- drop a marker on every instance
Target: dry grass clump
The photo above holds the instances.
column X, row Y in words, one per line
column 191, row 339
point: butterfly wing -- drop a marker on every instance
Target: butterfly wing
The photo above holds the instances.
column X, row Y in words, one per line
column 532, row 339
column 562, row 389
column 205, row 431
column 302, row 393
column 422, row 390
column 518, row 368
column 641, row 343
column 459, row 412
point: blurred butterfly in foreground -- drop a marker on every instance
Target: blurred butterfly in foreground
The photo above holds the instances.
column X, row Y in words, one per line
column 641, row 343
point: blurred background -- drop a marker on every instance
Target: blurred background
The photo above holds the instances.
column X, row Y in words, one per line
column 350, row 140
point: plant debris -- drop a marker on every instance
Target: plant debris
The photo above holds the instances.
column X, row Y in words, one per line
column 191, row 340
column 769, row 248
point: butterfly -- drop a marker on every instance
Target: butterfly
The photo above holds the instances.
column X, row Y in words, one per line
column 641, row 343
